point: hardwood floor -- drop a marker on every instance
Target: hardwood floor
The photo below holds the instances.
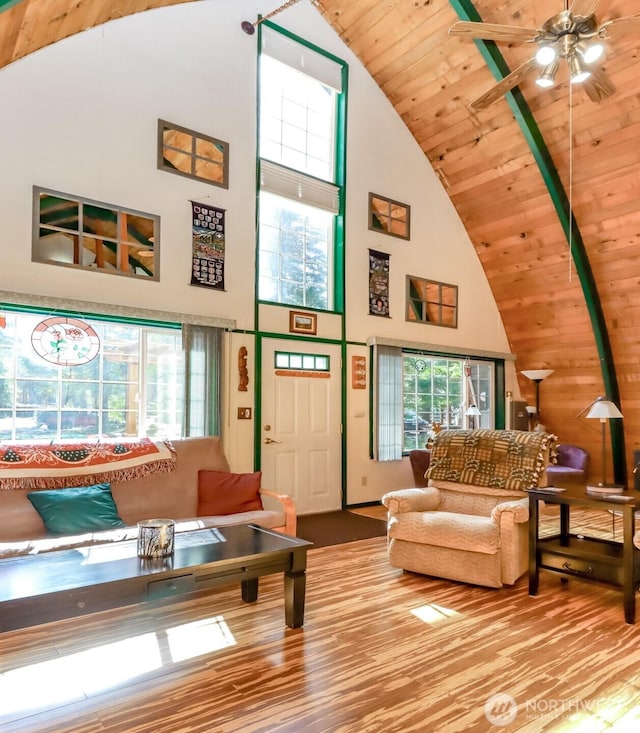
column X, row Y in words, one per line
column 380, row 650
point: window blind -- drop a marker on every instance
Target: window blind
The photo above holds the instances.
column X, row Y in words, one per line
column 388, row 444
column 292, row 184
column 302, row 58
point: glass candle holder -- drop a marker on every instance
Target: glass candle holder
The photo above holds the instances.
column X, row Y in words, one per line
column 155, row 537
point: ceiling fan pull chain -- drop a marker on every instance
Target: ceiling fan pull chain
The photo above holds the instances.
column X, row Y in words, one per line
column 570, row 181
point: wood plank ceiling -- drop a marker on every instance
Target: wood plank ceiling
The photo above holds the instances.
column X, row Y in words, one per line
column 492, row 177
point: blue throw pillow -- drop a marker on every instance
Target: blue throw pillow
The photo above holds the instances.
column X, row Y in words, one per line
column 77, row 510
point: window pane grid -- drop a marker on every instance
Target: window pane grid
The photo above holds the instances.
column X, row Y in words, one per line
column 299, row 198
column 80, row 233
column 437, row 392
column 192, row 154
column 296, row 112
column 307, row 362
column 296, row 266
column 103, row 398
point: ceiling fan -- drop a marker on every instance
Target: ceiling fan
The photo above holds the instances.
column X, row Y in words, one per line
column 573, row 35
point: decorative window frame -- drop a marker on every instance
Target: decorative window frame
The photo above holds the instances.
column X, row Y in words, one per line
column 397, row 216
column 198, row 140
column 122, row 246
column 431, row 302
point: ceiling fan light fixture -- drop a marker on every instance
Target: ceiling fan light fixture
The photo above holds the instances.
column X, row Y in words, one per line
column 591, row 51
column 547, row 76
column 578, row 70
column 546, row 55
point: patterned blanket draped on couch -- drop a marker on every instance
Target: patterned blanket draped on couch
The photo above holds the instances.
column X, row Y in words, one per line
column 470, row 523
column 57, row 465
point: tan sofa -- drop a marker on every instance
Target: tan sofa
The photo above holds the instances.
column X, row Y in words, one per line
column 470, row 522
column 172, row 495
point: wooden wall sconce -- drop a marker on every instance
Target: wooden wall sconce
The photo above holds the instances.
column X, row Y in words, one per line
column 243, row 372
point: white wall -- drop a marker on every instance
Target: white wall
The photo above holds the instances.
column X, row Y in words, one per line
column 80, row 117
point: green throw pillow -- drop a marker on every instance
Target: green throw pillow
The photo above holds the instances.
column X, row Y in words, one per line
column 77, row 510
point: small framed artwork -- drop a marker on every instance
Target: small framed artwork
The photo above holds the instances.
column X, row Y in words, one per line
column 303, row 323
column 358, row 372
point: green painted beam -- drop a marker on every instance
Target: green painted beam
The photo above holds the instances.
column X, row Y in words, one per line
column 523, row 116
column 6, row 4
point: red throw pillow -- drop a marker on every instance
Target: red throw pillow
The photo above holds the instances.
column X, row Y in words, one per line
column 220, row 492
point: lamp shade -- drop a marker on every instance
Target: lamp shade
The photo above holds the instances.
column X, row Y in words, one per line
column 472, row 411
column 603, row 409
column 537, row 375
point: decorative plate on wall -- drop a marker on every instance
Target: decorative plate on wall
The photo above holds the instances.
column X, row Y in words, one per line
column 65, row 341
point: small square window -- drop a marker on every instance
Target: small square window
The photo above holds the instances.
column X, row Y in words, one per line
column 193, row 154
column 388, row 216
column 429, row 301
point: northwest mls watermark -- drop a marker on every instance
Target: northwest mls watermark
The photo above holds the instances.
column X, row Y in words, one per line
column 502, row 709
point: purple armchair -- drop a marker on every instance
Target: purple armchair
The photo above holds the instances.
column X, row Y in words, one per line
column 571, row 468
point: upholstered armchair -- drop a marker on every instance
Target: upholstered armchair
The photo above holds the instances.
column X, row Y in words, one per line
column 571, row 466
column 470, row 523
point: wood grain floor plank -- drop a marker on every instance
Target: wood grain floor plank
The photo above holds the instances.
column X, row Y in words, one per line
column 381, row 650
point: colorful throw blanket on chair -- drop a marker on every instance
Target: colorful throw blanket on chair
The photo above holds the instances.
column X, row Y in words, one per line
column 58, row 465
column 501, row 459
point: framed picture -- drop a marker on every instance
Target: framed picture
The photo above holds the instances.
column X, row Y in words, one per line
column 303, row 323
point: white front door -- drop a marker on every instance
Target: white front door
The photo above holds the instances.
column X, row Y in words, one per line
column 300, row 431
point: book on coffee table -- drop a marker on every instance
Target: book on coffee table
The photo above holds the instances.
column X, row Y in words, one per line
column 604, row 490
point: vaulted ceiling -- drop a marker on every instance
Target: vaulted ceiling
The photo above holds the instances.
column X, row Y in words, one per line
column 567, row 286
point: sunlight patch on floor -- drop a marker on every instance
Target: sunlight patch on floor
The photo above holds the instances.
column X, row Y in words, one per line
column 432, row 613
column 72, row 677
column 200, row 637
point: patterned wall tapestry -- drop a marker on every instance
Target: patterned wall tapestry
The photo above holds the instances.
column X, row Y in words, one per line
column 208, row 246
column 378, row 283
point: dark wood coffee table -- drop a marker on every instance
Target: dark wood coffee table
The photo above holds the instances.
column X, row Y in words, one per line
column 35, row 589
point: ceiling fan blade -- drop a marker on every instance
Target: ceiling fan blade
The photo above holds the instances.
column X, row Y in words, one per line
column 598, row 86
column 492, row 31
column 502, row 87
column 620, row 26
column 583, row 8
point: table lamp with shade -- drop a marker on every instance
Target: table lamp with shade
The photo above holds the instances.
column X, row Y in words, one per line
column 604, row 410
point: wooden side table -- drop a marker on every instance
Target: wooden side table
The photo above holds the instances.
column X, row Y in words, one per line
column 616, row 564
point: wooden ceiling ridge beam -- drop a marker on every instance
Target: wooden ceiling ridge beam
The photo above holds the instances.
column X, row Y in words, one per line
column 494, row 59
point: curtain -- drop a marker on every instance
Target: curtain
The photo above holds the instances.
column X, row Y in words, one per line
column 203, row 376
column 389, row 412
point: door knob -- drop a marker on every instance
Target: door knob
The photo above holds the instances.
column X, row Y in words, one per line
column 268, row 441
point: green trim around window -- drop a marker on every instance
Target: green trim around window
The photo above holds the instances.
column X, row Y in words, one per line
column 105, row 318
column 339, row 276
column 499, row 385
column 6, row 4
column 339, row 180
column 339, row 282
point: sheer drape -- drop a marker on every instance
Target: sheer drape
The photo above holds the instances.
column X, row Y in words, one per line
column 388, row 444
column 203, row 364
